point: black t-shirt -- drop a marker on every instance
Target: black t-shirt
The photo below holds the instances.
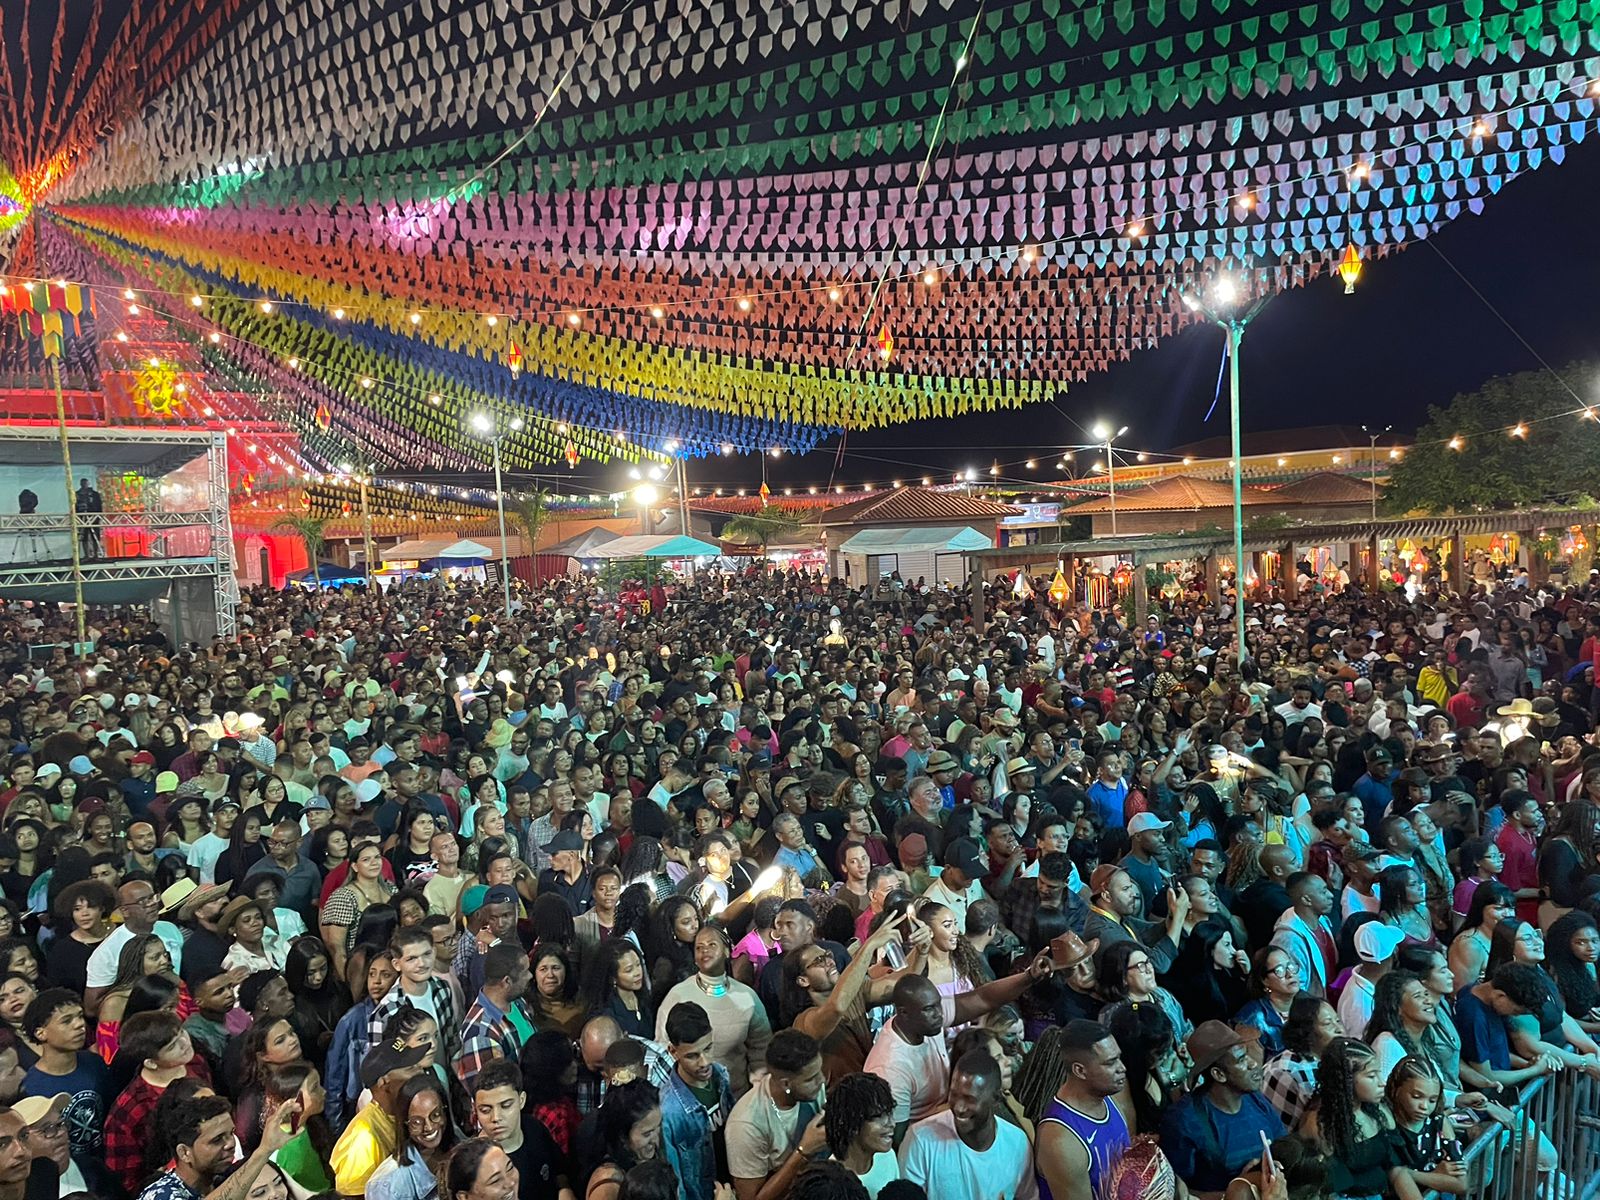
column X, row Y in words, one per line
column 539, row 1162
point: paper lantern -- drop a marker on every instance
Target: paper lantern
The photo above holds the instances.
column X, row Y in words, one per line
column 1350, row 268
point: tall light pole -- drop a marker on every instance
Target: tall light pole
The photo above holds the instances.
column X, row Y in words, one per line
column 1372, row 476
column 1223, row 308
column 1102, row 434
column 645, row 495
column 486, row 427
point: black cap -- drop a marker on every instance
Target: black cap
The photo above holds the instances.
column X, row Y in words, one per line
column 389, row 1056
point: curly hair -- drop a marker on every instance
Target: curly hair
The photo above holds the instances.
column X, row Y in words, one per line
column 1337, row 1106
column 599, row 985
column 852, row 1102
column 1574, row 978
column 963, row 956
column 1386, row 1003
column 633, row 910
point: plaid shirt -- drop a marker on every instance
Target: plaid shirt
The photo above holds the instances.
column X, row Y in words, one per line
column 658, row 1069
column 486, row 1035
column 1022, row 906
column 1290, row 1082
column 128, row 1125
column 443, row 1005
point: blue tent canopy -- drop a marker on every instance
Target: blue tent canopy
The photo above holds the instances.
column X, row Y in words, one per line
column 331, row 574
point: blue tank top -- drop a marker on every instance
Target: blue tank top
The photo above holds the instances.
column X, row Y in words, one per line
column 1105, row 1139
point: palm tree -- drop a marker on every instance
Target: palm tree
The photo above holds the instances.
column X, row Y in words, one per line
column 310, row 530
column 531, row 513
column 760, row 527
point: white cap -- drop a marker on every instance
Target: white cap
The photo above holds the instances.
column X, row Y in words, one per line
column 1144, row 822
column 1376, row 942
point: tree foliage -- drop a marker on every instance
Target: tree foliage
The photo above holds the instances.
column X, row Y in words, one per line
column 1557, row 460
column 531, row 513
column 309, row 530
column 761, row 527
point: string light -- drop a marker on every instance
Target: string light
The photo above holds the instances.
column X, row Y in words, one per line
column 294, row 364
column 436, row 399
column 1135, row 229
column 214, row 337
column 492, row 320
column 266, row 306
column 366, row 381
column 1032, row 465
column 1395, row 453
column 930, row 278
column 416, row 318
column 133, row 310
column 121, row 336
column 197, row 301
column 834, row 294
column 1246, row 202
column 574, row 319
column 1519, row 430
column 744, row 303
column 1481, row 128
column 657, row 311
column 1456, row 443
column 338, row 314
column 126, row 295
column 1029, row 253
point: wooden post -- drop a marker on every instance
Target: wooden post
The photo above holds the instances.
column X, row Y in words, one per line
column 1288, row 576
column 1259, row 566
column 1373, row 571
column 1213, row 578
column 1141, row 594
column 1458, row 563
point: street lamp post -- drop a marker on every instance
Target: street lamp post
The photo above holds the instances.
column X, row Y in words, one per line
column 1102, row 433
column 1222, row 309
column 1372, row 476
column 485, row 426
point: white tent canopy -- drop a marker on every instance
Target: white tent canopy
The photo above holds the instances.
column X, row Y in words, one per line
column 670, row 546
column 425, row 549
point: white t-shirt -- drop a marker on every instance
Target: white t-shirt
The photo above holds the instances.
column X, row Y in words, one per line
column 759, row 1134
column 102, row 967
column 918, row 1076
column 885, row 1169
column 933, row 1150
column 1356, row 1003
column 205, row 854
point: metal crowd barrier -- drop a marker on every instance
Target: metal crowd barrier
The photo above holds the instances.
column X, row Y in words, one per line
column 1562, row 1111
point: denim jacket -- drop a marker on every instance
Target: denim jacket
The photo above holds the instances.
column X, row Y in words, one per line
column 686, row 1134
column 342, row 1079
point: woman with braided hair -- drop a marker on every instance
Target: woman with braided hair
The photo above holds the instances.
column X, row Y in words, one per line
column 1352, row 1127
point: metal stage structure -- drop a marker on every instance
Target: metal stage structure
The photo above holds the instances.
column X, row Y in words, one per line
column 163, row 540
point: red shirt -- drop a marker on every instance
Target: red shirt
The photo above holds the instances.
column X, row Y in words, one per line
column 1521, row 869
column 1466, row 710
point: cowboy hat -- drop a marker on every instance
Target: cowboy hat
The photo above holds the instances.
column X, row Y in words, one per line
column 1520, row 707
column 1211, row 1040
column 236, row 908
column 1068, row 950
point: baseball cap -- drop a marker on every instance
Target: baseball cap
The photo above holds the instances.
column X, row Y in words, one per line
column 368, row 791
column 1144, row 822
column 964, row 856
column 166, row 782
column 80, row 765
column 472, row 899
column 34, row 1109
column 318, row 803
column 500, row 893
column 390, row 1056
column 567, row 839
column 1376, row 942
column 143, row 756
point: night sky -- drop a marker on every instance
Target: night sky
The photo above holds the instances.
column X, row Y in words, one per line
column 1412, row 335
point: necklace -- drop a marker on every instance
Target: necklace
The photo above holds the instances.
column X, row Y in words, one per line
column 713, row 987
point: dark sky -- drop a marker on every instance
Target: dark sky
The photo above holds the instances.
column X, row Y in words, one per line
column 1412, row 335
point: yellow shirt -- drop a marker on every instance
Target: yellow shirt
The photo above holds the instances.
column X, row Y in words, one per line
column 370, row 1138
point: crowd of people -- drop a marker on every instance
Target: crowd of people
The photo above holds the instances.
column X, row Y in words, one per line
column 759, row 887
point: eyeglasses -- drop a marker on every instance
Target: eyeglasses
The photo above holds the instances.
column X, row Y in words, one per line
column 53, row 1129
column 1286, row 968
column 1142, row 965
column 433, row 1120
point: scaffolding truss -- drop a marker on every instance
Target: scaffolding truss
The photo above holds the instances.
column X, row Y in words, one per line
column 152, row 454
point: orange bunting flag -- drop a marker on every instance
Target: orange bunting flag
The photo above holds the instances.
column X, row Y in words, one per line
column 514, row 359
column 765, row 492
column 885, row 344
column 572, row 456
column 324, row 416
